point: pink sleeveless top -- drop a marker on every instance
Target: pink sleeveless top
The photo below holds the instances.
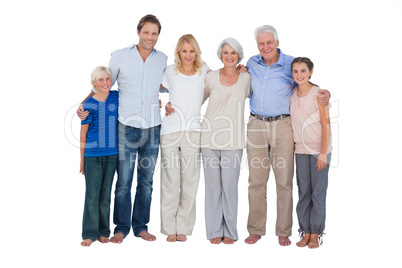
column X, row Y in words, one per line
column 306, row 123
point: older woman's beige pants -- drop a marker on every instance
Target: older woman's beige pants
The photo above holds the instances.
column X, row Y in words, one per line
column 180, row 175
column 270, row 144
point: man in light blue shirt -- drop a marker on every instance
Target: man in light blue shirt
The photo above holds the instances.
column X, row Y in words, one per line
column 138, row 83
column 273, row 83
column 270, row 136
column 138, row 70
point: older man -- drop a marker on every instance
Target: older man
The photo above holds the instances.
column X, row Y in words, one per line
column 138, row 70
column 270, row 136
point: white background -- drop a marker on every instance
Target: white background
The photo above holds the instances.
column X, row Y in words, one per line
column 48, row 51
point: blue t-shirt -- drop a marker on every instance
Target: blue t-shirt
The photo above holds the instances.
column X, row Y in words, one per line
column 102, row 131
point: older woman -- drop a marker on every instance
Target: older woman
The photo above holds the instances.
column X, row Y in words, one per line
column 180, row 140
column 223, row 141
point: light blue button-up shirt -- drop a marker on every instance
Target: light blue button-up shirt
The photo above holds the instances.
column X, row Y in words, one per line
column 138, row 84
column 272, row 85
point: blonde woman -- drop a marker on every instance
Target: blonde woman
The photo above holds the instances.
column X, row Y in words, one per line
column 180, row 140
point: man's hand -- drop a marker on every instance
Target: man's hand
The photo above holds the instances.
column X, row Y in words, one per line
column 81, row 113
column 168, row 109
column 242, row 68
column 323, row 96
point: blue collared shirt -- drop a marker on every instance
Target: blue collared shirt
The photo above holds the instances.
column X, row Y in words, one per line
column 138, row 84
column 272, row 85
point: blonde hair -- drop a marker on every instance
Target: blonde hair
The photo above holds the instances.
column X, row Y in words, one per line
column 98, row 71
column 188, row 38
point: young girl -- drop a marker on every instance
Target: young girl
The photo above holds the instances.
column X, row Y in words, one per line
column 99, row 156
column 312, row 135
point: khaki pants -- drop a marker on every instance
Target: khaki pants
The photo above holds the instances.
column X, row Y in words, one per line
column 180, row 175
column 270, row 144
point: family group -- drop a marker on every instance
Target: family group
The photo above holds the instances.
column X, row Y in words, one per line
column 123, row 129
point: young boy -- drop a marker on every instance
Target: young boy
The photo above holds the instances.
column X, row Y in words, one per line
column 99, row 156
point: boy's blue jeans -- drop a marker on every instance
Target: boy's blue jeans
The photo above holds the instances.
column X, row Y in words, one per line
column 99, row 173
column 143, row 143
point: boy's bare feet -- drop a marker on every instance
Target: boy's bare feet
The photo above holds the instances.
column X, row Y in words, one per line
column 284, row 241
column 103, row 239
column 86, row 242
column 228, row 241
column 304, row 242
column 181, row 238
column 147, row 236
column 171, row 238
column 117, row 238
column 313, row 241
column 252, row 239
column 216, row 240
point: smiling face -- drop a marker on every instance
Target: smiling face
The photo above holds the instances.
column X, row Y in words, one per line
column 229, row 56
column 268, row 47
column 301, row 73
column 148, row 36
column 187, row 54
column 103, row 83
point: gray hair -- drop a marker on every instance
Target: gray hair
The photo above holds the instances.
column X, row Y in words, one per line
column 234, row 44
column 266, row 29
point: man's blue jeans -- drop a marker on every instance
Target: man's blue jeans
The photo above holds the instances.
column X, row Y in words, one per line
column 143, row 143
column 99, row 174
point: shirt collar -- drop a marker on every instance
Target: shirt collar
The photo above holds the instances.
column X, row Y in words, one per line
column 134, row 46
column 281, row 60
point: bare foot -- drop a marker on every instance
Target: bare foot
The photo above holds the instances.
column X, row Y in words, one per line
column 252, row 239
column 313, row 241
column 147, row 236
column 304, row 242
column 284, row 241
column 86, row 242
column 103, row 239
column 181, row 238
column 216, row 240
column 171, row 238
column 117, row 238
column 228, row 241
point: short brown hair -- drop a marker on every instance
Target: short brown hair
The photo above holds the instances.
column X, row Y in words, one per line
column 149, row 18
